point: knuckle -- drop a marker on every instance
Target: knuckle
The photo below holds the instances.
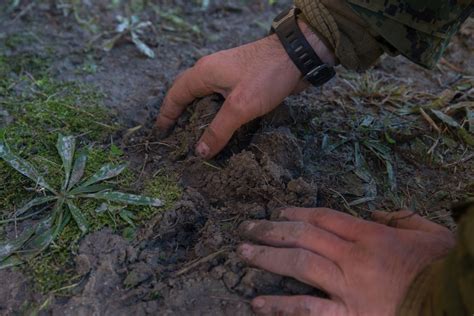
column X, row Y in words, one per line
column 204, row 62
column 236, row 105
column 300, row 229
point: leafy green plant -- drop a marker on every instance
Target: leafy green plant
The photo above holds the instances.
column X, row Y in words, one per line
column 57, row 207
column 133, row 27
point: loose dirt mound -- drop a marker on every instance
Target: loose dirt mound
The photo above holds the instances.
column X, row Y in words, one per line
column 184, row 260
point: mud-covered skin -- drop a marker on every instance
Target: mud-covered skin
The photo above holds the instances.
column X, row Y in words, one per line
column 419, row 29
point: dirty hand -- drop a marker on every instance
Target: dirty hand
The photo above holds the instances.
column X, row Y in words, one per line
column 254, row 79
column 365, row 267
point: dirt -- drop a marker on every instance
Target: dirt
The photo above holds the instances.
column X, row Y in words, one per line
column 183, row 262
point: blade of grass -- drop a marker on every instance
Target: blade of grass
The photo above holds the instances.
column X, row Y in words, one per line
column 89, row 189
column 46, row 231
column 142, row 47
column 79, row 218
column 9, row 262
column 78, row 170
column 106, row 172
column 23, row 167
column 470, row 119
column 66, row 146
column 10, row 247
column 446, row 119
column 360, row 165
column 328, row 148
column 126, row 198
column 383, row 153
column 128, row 217
column 35, row 202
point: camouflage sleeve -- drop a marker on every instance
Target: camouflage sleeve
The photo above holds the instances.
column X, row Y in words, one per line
column 419, row 29
column 446, row 287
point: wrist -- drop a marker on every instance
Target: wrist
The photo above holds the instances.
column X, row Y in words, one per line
column 279, row 53
column 321, row 49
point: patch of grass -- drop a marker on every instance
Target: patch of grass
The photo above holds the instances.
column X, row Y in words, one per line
column 375, row 89
column 40, row 108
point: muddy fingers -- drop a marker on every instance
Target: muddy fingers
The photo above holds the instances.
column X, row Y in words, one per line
column 303, row 265
column 296, row 234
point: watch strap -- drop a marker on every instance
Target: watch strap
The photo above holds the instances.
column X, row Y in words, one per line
column 299, row 49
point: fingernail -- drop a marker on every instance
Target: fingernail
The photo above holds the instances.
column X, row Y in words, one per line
column 258, row 303
column 202, row 150
column 278, row 214
column 245, row 251
column 246, row 226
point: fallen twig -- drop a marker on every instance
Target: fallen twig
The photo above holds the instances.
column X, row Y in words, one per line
column 200, row 261
column 430, row 120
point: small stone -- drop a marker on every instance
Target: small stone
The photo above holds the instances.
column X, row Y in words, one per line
column 83, row 264
column 231, row 279
column 218, row 272
column 140, row 273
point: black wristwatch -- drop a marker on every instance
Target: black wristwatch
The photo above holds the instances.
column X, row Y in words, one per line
column 300, row 51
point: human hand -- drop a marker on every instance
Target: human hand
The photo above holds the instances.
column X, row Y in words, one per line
column 254, row 79
column 365, row 267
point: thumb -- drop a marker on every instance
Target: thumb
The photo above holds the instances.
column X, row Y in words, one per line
column 407, row 220
column 234, row 113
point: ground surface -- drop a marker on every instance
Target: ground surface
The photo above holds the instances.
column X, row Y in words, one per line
column 358, row 145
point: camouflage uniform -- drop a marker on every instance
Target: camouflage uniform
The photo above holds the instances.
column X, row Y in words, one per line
column 419, row 29
column 360, row 30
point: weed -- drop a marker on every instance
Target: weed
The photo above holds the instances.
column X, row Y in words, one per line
column 61, row 203
column 133, row 27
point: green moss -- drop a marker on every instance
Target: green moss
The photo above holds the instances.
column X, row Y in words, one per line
column 54, row 269
column 164, row 186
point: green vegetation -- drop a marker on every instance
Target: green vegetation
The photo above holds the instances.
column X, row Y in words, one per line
column 60, row 204
column 34, row 109
column 133, row 27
